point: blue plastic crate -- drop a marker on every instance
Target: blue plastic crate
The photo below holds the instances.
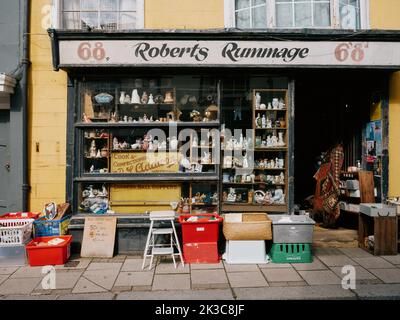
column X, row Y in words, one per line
column 48, row 228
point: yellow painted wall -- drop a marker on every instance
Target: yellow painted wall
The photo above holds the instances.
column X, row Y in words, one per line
column 184, row 14
column 47, row 115
column 394, row 136
column 385, row 14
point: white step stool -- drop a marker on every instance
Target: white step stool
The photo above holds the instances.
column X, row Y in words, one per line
column 152, row 249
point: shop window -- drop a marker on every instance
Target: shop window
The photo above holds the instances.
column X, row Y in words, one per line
column 302, row 14
column 101, row 14
column 349, row 14
column 252, row 14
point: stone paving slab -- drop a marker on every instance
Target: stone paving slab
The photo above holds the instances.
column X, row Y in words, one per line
column 320, row 277
column 206, row 266
column 378, row 291
column 355, row 253
column 392, row 259
column 73, row 264
column 8, row 270
column 361, row 273
column 373, row 262
column 3, row 278
column 134, row 265
column 85, row 286
column 135, row 279
column 103, row 278
column 288, row 284
column 247, row 279
column 337, row 260
column 171, row 282
column 387, row 275
column 168, row 267
column 104, row 266
column 320, row 251
column 272, row 265
column 330, row 292
column 315, row 265
column 30, row 297
column 88, row 296
column 240, row 267
column 28, row 272
column 64, row 280
column 282, row 274
column 212, row 294
column 19, row 286
column 209, row 279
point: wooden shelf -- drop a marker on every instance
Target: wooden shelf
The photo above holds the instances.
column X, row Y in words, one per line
column 146, row 104
column 269, row 110
column 248, row 207
column 251, row 183
column 270, row 128
column 97, row 138
column 271, row 149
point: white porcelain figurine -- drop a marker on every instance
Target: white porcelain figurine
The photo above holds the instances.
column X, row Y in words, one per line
column 135, row 96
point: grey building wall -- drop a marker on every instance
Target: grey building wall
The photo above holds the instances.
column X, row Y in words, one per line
column 10, row 35
column 11, row 17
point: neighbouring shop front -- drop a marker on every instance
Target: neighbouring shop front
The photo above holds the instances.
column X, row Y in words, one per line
column 228, row 122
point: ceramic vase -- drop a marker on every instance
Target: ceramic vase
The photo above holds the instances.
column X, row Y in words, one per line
column 122, row 97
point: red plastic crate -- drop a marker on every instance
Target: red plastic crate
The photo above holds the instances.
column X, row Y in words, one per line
column 204, row 252
column 48, row 255
column 203, row 230
column 20, row 215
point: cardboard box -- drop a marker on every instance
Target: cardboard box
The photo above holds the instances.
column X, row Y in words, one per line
column 247, row 226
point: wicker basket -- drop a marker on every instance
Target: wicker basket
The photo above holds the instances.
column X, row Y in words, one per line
column 247, row 226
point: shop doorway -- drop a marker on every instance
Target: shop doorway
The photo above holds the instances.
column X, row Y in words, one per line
column 332, row 107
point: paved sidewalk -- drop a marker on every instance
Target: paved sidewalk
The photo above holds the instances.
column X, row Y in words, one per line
column 122, row 278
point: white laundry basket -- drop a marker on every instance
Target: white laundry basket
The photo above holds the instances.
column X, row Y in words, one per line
column 15, row 231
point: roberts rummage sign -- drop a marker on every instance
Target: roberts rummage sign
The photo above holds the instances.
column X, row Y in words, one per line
column 228, row 53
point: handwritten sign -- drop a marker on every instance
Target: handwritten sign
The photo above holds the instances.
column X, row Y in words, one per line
column 144, row 162
column 99, row 237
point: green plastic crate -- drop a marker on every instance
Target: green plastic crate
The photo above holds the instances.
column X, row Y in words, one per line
column 291, row 253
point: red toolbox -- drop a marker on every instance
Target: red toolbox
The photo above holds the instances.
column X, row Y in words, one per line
column 41, row 253
column 200, row 237
column 205, row 229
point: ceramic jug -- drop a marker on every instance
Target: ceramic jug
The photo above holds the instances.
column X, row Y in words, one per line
column 122, row 97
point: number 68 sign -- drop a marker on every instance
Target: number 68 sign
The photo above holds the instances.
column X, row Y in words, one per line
column 85, row 51
column 349, row 50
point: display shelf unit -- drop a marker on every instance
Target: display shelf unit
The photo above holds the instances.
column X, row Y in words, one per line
column 278, row 122
column 129, row 122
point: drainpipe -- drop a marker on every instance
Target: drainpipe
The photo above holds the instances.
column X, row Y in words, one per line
column 24, row 101
column 24, row 85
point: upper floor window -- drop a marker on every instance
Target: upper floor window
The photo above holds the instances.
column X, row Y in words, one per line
column 100, row 14
column 303, row 13
column 345, row 14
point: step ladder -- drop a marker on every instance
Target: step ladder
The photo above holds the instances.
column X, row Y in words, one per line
column 152, row 248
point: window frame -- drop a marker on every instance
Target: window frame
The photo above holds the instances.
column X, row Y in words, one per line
column 229, row 15
column 57, row 15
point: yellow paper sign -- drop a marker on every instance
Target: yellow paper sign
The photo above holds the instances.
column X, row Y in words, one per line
column 144, row 162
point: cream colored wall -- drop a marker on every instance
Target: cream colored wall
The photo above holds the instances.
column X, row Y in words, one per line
column 385, row 14
column 47, row 115
column 183, row 14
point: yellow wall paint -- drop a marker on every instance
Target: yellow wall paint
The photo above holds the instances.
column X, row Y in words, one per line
column 47, row 116
column 394, row 136
column 384, row 14
column 183, row 14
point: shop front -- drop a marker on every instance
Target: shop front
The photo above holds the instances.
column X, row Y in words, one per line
column 203, row 122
